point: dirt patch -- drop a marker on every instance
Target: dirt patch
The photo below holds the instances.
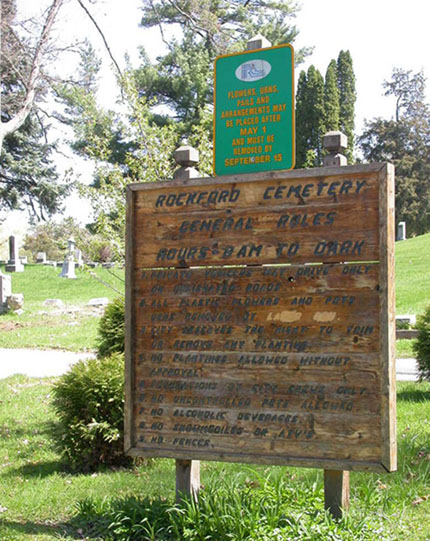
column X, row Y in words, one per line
column 12, row 325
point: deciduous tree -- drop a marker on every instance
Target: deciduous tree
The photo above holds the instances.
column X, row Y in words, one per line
column 405, row 141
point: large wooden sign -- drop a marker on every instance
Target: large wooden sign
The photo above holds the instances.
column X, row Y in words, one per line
column 260, row 324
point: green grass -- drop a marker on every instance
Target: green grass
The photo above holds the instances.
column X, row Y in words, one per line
column 43, row 327
column 41, row 500
column 404, row 348
column 413, row 275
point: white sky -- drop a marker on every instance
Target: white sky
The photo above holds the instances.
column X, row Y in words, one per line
column 380, row 35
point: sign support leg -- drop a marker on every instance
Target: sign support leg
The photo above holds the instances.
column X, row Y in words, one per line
column 336, row 483
column 187, row 479
column 336, row 492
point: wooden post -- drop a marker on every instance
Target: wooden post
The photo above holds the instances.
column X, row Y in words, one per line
column 336, row 492
column 187, row 479
column 187, row 471
column 336, row 483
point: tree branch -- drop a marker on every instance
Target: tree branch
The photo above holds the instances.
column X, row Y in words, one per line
column 99, row 30
column 19, row 118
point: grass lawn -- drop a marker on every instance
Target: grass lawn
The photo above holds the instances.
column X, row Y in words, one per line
column 40, row 499
column 413, row 275
column 42, row 326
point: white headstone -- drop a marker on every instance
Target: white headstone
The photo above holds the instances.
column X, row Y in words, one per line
column 68, row 270
column 5, row 291
column 14, row 264
column 78, row 256
column 401, row 231
column 41, row 257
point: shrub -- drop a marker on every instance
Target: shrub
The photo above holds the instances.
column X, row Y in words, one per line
column 422, row 344
column 89, row 400
column 111, row 330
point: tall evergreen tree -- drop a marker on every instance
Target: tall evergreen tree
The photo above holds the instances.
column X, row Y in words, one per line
column 28, row 176
column 347, row 99
column 331, row 98
column 309, row 118
column 324, row 105
column 302, row 120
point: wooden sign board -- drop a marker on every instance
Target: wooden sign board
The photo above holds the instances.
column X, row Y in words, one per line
column 260, row 319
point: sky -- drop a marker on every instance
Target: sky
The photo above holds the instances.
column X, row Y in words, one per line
column 380, row 35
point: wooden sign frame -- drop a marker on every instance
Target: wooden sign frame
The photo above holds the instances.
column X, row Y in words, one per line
column 192, row 241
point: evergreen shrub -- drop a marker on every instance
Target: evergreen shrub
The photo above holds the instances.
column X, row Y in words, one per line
column 89, row 400
column 421, row 346
column 111, row 332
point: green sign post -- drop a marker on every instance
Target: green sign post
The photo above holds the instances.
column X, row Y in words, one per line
column 254, row 111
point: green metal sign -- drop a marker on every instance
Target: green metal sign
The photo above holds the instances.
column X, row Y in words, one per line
column 254, row 111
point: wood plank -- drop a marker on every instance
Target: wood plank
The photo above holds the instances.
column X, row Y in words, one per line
column 387, row 317
column 331, row 364
column 273, row 459
column 258, row 280
column 336, row 492
column 284, row 189
column 244, row 225
column 130, row 327
column 330, row 173
column 332, row 247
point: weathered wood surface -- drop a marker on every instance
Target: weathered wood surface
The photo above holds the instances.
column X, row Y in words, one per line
column 187, row 479
column 366, row 363
column 286, row 188
column 336, row 492
column 322, row 219
column 216, row 281
column 272, row 363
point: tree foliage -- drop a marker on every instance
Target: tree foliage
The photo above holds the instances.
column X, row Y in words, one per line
column 162, row 102
column 28, row 176
column 125, row 146
column 405, row 141
column 182, row 79
column 309, row 118
column 347, row 99
column 51, row 238
column 22, row 65
column 324, row 105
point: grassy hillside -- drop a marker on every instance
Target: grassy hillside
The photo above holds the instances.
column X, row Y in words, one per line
column 74, row 327
column 413, row 275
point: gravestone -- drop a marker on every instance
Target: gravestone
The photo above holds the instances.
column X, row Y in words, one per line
column 68, row 270
column 5, row 291
column 79, row 259
column 41, row 257
column 14, row 264
column 401, row 231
